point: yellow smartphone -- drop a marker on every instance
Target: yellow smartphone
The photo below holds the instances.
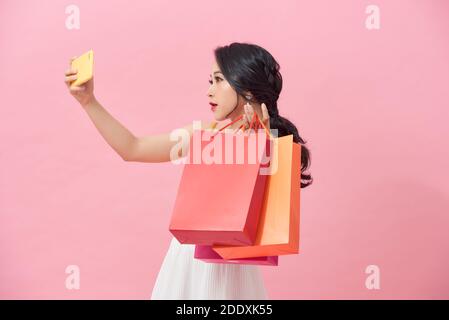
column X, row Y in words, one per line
column 85, row 66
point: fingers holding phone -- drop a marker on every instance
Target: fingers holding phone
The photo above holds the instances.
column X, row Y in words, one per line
column 79, row 78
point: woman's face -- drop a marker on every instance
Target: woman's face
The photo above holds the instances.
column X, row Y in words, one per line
column 221, row 93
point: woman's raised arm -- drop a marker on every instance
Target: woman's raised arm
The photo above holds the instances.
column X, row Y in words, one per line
column 159, row 147
column 151, row 148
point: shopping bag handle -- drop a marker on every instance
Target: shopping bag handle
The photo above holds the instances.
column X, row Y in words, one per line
column 255, row 116
column 252, row 123
column 234, row 121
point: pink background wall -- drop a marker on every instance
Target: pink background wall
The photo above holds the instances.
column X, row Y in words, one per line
column 373, row 105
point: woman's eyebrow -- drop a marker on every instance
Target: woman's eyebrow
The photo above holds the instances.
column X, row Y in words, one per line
column 216, row 72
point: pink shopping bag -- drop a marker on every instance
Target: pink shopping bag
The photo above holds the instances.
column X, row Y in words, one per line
column 207, row 254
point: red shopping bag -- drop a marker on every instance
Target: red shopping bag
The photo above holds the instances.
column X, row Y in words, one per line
column 219, row 202
column 207, row 254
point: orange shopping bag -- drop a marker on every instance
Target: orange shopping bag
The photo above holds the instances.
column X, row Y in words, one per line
column 220, row 203
column 278, row 230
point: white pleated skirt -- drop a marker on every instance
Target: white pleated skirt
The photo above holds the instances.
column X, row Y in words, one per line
column 183, row 277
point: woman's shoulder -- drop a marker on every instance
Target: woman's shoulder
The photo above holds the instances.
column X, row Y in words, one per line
column 212, row 124
column 209, row 124
column 204, row 125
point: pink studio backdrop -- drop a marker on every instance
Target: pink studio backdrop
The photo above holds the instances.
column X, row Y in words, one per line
column 372, row 104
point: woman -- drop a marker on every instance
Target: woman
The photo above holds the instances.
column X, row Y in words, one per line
column 245, row 79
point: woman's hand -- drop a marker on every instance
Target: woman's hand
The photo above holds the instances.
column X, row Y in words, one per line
column 249, row 113
column 83, row 93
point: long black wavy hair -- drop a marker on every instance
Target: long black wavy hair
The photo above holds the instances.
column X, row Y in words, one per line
column 249, row 67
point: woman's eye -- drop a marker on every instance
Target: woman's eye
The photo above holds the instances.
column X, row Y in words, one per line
column 216, row 79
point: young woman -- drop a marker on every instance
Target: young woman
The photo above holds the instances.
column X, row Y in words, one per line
column 245, row 79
